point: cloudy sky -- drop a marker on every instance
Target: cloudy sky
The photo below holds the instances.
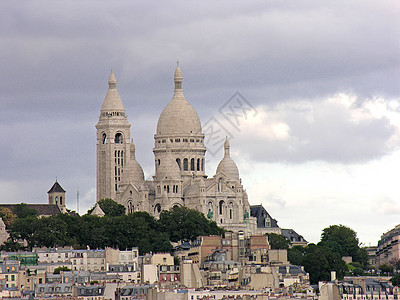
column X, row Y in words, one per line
column 316, row 140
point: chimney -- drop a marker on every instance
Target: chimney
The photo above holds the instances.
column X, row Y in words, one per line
column 333, row 275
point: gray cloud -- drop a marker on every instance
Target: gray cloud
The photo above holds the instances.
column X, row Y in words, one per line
column 311, row 131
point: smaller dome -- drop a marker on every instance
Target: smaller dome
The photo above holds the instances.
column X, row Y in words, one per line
column 112, row 102
column 168, row 168
column 133, row 172
column 227, row 165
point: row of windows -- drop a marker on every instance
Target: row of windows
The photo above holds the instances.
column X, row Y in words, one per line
column 195, row 165
column 221, row 208
column 119, row 163
column 118, row 139
column 178, row 140
column 175, row 189
column 114, row 113
column 57, row 289
column 12, row 277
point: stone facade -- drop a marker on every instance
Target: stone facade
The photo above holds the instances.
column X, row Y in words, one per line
column 388, row 250
column 179, row 157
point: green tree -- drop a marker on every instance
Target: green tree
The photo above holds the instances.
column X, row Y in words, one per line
column 395, row 280
column 59, row 269
column 358, row 272
column 7, row 216
column 110, row 208
column 278, row 241
column 23, row 229
column 319, row 261
column 296, row 255
column 386, row 268
column 22, row 211
column 343, row 240
column 182, row 223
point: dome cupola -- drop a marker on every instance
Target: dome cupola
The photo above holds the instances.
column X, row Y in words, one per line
column 168, row 168
column 178, row 117
column 227, row 165
column 133, row 172
column 112, row 104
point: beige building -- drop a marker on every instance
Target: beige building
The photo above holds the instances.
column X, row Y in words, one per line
column 179, row 158
column 388, row 250
column 3, row 232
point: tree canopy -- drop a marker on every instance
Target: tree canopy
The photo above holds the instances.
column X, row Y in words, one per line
column 7, row 216
column 138, row 229
column 22, row 211
column 182, row 223
column 343, row 240
column 278, row 241
column 110, row 208
column 319, row 260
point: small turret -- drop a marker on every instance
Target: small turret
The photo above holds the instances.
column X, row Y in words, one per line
column 57, row 196
column 227, row 166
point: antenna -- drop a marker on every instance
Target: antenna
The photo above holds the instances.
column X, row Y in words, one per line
column 77, row 199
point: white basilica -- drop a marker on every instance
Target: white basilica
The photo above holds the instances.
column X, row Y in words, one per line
column 179, row 157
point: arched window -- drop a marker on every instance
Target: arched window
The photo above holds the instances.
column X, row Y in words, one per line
column 157, row 208
column 202, row 164
column 131, row 207
column 185, row 164
column 178, row 161
column 61, row 201
column 221, row 205
column 220, row 185
column 104, row 138
column 192, row 164
column 230, row 210
column 198, row 164
column 118, row 138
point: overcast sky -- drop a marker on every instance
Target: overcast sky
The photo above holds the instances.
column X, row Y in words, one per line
column 317, row 144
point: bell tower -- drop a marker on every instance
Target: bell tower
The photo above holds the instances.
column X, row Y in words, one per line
column 57, row 196
column 113, row 143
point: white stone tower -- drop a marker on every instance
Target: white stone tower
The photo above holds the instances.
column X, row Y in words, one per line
column 180, row 125
column 113, row 143
column 178, row 148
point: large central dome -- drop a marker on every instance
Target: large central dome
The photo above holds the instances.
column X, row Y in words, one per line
column 178, row 117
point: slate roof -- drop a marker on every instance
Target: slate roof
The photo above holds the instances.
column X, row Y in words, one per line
column 42, row 209
column 150, row 185
column 261, row 214
column 292, row 235
column 56, row 188
column 293, row 270
column 193, row 188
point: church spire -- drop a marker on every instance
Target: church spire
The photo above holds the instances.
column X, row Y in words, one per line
column 227, row 147
column 112, row 81
column 178, row 78
column 112, row 104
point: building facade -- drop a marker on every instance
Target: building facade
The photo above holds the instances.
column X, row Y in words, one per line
column 179, row 158
column 388, row 250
